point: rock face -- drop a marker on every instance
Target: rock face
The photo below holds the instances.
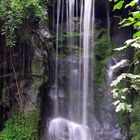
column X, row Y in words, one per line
column 23, row 70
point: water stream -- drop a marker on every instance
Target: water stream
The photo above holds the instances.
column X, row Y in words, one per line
column 73, row 92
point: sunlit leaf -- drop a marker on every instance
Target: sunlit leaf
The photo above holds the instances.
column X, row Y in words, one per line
column 136, row 14
column 121, row 48
column 118, row 107
column 123, row 97
column 118, row 5
column 132, row 3
column 130, row 41
column 136, row 45
column 129, row 108
column 137, row 88
column 118, row 79
column 137, row 34
column 116, row 102
column 121, row 63
column 136, row 25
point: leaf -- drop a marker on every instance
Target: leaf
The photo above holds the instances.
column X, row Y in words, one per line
column 130, row 41
column 136, row 1
column 132, row 3
column 137, row 34
column 118, row 80
column 123, row 105
column 123, row 76
column 136, row 45
column 124, row 90
column 133, row 76
column 137, row 88
column 116, row 102
column 136, row 15
column 129, row 108
column 118, row 108
column 127, row 22
column 115, row 95
column 121, row 48
column 115, row 92
column 118, row 5
column 123, row 97
column 131, row 19
column 136, row 25
column 119, row 64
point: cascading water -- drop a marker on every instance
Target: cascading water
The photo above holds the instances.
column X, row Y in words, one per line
column 78, row 83
column 86, row 42
column 73, row 110
column 62, row 129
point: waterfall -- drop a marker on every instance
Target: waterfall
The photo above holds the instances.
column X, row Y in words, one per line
column 56, row 106
column 74, row 115
column 86, row 44
column 61, row 129
column 78, row 85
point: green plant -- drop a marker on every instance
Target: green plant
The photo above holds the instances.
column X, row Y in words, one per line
column 135, row 115
column 21, row 127
column 126, row 87
column 14, row 12
column 130, row 76
column 102, row 54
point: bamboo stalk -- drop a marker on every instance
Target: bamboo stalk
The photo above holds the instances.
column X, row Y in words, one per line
column 16, row 80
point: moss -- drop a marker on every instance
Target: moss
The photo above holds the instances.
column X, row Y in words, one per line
column 135, row 119
column 123, row 119
column 21, row 127
column 38, row 69
column 15, row 14
column 103, row 52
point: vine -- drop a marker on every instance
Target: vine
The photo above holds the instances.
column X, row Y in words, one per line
column 13, row 13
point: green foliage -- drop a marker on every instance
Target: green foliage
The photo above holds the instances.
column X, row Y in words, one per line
column 135, row 115
column 14, row 12
column 131, row 78
column 21, row 127
column 119, row 5
column 102, row 53
column 126, row 87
